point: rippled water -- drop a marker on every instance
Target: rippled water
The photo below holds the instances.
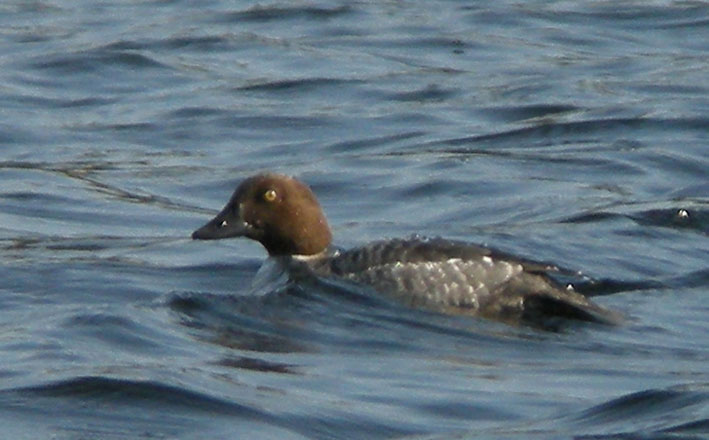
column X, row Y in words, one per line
column 570, row 132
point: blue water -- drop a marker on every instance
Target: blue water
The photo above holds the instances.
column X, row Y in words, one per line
column 564, row 131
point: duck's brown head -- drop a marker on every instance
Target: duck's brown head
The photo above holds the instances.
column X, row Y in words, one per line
column 280, row 212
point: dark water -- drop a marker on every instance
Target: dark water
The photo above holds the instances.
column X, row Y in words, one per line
column 571, row 132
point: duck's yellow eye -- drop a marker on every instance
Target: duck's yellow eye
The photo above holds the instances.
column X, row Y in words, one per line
column 270, row 195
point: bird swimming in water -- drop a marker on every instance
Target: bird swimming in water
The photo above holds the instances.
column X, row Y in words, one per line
column 436, row 274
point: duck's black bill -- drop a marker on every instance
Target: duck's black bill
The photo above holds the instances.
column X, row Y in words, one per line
column 220, row 228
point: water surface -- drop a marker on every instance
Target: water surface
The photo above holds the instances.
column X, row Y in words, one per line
column 569, row 132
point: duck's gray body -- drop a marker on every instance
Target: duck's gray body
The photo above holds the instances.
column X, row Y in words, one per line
column 461, row 278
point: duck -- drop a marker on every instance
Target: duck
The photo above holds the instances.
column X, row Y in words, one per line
column 435, row 274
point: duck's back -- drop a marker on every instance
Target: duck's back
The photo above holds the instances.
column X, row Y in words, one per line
column 457, row 277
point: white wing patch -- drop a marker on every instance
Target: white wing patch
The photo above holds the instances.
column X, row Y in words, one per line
column 452, row 282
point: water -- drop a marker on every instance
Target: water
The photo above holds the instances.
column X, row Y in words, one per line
column 570, row 132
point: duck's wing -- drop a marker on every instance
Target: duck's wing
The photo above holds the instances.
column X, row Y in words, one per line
column 461, row 278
